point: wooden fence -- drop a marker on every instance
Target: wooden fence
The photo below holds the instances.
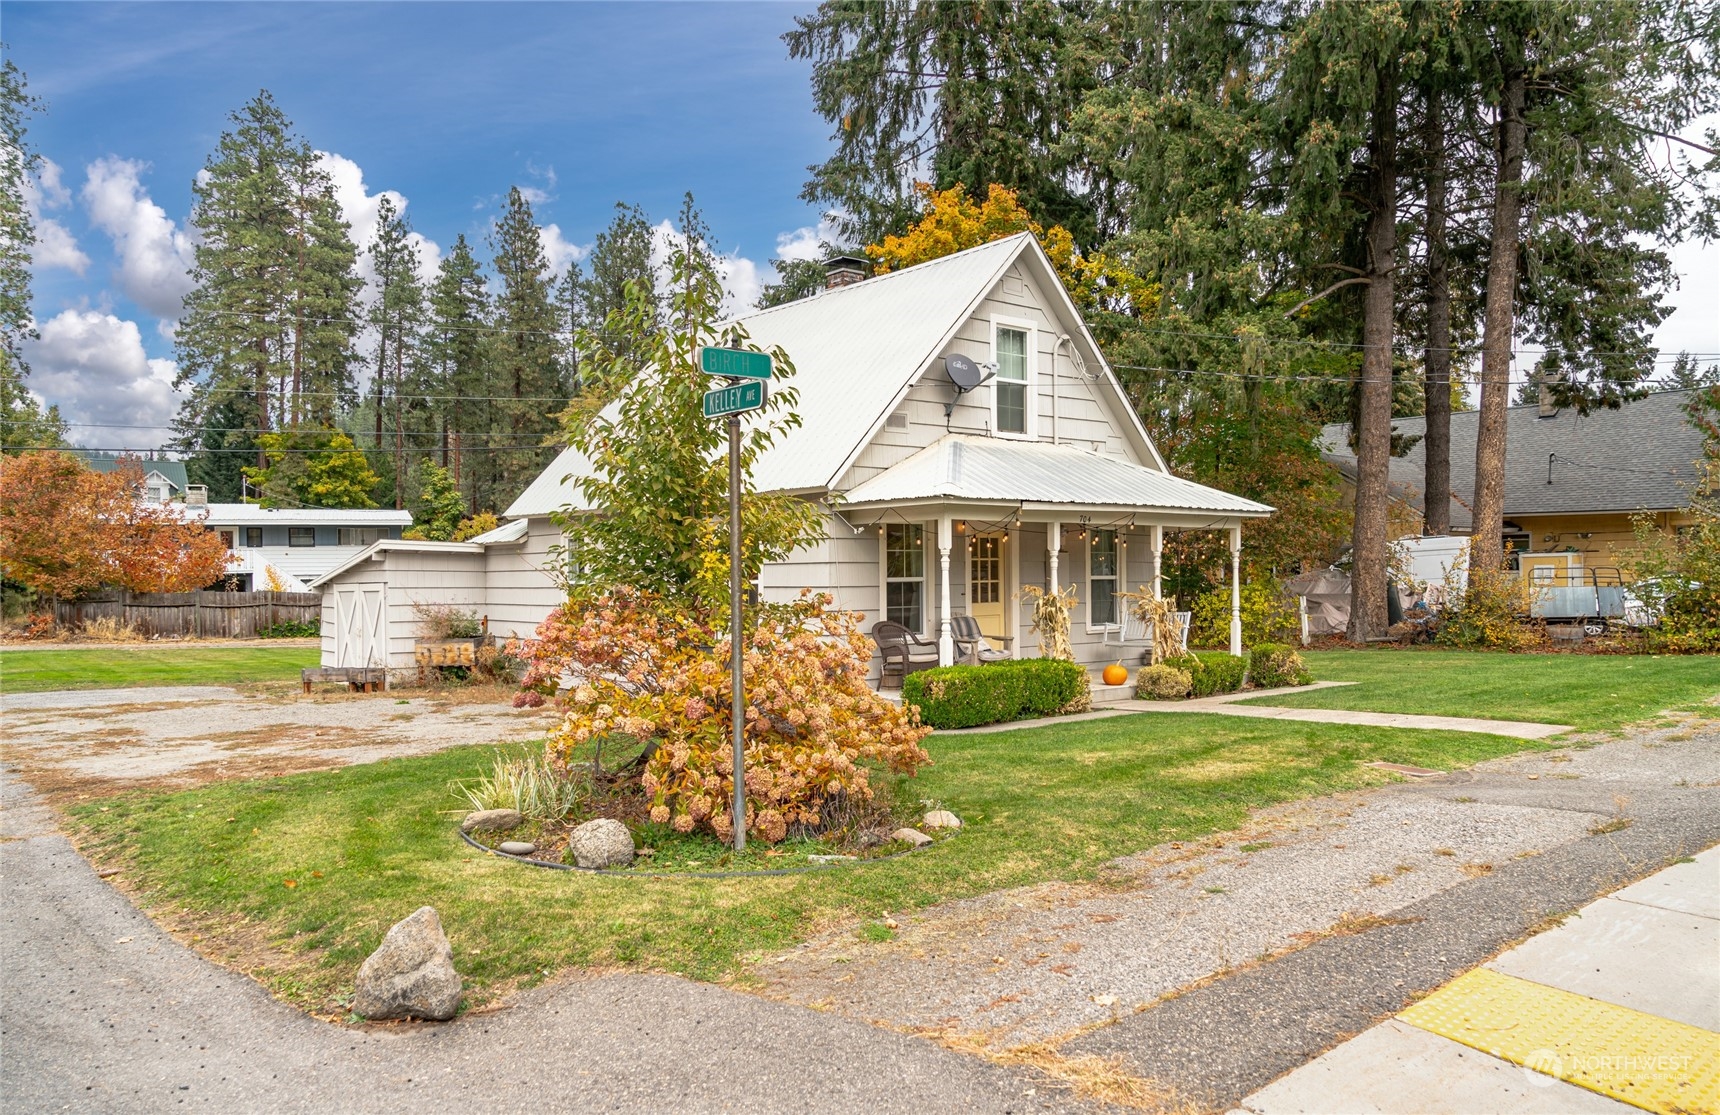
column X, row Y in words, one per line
column 207, row 615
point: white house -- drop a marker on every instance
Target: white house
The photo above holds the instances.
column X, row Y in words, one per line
column 300, row 544
column 938, row 501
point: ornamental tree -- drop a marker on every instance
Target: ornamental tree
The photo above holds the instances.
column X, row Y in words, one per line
column 644, row 638
column 66, row 530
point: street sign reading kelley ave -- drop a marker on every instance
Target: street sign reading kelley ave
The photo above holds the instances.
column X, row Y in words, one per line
column 734, row 398
column 734, row 362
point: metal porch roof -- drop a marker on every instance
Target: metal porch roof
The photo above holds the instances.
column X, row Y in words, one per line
column 995, row 470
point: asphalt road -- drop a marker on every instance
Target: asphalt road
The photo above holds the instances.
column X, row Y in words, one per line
column 102, row 1011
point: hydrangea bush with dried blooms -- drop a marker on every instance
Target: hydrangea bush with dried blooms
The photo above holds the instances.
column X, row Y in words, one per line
column 646, row 668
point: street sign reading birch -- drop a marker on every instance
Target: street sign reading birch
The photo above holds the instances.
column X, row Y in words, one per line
column 735, row 363
column 734, row 398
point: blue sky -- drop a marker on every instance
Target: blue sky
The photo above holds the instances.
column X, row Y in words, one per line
column 446, row 106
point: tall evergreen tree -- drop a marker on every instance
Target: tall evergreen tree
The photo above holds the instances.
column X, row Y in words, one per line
column 961, row 93
column 528, row 365
column 266, row 341
column 620, row 263
column 398, row 317
column 458, row 343
column 23, row 423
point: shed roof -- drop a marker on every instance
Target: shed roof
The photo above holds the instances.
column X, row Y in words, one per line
column 857, row 350
column 1640, row 457
column 997, row 470
column 377, row 550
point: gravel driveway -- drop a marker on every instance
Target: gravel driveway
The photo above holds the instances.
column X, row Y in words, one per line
column 1048, row 961
column 104, row 739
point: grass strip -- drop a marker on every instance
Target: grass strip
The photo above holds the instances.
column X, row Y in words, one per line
column 31, row 670
column 319, row 865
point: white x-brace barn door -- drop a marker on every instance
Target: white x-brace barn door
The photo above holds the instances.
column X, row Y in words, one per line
column 361, row 625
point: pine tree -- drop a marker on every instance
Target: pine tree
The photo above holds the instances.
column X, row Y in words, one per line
column 458, row 343
column 398, row 317
column 266, row 341
column 528, row 367
column 23, row 424
column 620, row 261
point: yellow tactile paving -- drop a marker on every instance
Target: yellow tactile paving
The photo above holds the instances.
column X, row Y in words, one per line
column 1652, row 1063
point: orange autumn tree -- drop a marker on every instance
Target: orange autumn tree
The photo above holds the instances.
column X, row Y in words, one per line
column 66, row 530
column 953, row 220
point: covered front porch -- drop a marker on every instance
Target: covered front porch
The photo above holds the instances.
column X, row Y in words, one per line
column 964, row 524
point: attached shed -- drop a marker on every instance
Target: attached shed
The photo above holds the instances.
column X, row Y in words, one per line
column 370, row 617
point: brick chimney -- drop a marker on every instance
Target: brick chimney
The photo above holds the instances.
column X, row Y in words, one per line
column 845, row 271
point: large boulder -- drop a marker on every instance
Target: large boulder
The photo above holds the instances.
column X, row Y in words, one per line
column 411, row 975
column 601, row 843
column 491, row 820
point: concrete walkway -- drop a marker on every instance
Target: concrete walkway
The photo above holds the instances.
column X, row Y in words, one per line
column 1621, row 1002
column 1226, row 704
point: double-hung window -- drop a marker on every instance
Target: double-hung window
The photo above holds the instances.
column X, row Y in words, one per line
column 253, row 537
column 905, row 575
column 1014, row 377
column 301, row 536
column 1102, row 565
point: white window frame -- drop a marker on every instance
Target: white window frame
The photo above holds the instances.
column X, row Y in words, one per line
column 885, row 580
column 1093, row 582
column 1031, row 402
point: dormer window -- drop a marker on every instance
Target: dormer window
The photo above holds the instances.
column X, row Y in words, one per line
column 1012, row 344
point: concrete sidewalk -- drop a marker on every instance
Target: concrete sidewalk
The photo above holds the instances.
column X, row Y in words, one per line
column 1619, row 1003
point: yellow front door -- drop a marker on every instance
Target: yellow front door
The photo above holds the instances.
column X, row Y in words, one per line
column 985, row 584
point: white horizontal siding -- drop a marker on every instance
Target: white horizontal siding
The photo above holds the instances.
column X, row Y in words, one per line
column 519, row 590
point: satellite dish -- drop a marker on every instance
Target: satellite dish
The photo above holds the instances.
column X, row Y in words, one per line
column 964, row 373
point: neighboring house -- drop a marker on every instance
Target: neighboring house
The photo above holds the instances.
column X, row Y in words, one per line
column 300, row 544
column 163, row 481
column 1573, row 482
column 937, row 501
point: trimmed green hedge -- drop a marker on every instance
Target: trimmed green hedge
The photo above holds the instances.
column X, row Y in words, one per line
column 968, row 696
column 1211, row 671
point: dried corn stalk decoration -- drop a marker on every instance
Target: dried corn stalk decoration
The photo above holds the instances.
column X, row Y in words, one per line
column 1051, row 621
column 1159, row 617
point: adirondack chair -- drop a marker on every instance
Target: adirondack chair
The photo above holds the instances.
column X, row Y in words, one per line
column 904, row 652
column 972, row 646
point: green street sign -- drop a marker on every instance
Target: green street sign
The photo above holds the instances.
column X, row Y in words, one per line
column 734, row 362
column 735, row 398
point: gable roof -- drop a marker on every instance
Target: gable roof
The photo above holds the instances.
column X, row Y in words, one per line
column 857, row 350
column 171, row 471
column 984, row 469
column 1640, row 457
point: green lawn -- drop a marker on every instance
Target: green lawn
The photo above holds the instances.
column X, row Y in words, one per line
column 1588, row 691
column 325, row 862
column 31, row 670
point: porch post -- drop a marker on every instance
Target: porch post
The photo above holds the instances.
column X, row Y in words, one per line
column 946, row 645
column 1158, row 544
column 1236, row 590
column 1053, row 542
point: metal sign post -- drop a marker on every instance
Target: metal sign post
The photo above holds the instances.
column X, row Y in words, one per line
column 745, row 390
column 737, row 705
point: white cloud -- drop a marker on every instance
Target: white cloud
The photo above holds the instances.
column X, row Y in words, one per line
column 807, row 242
column 359, row 207
column 742, row 279
column 154, row 255
column 55, row 245
column 535, row 196
column 558, row 249
column 92, row 364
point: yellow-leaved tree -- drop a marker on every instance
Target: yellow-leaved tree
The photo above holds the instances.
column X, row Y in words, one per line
column 953, row 220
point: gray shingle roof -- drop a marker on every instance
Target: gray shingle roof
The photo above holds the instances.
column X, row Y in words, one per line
column 1640, row 457
column 174, row 471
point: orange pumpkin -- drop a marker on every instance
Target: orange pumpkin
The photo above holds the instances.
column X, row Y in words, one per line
column 1115, row 674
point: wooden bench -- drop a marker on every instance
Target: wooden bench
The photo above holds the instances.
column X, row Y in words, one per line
column 359, row 679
